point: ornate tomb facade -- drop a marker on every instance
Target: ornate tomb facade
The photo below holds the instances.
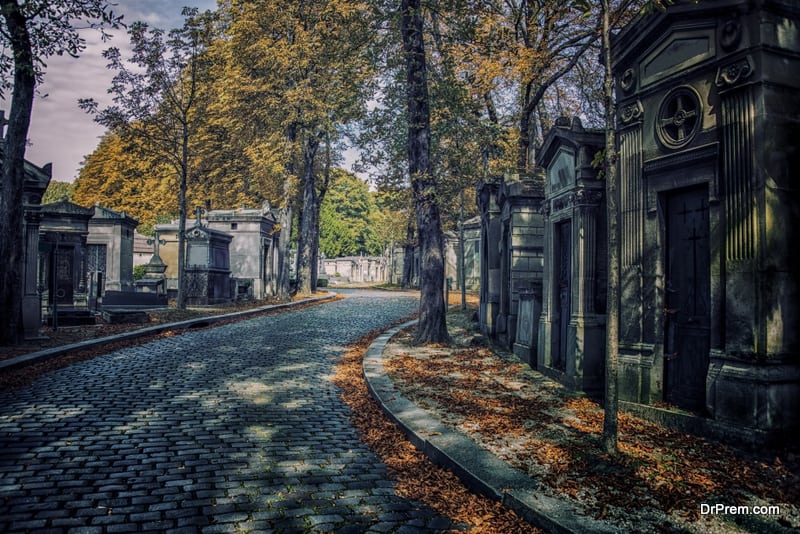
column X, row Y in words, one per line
column 62, row 271
column 571, row 342
column 709, row 107
column 511, row 250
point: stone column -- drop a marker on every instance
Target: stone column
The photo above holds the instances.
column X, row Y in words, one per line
column 31, row 298
column 490, row 257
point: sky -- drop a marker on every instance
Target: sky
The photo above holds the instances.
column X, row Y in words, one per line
column 60, row 132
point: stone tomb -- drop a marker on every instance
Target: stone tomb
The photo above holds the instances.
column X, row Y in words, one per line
column 208, row 269
column 452, row 255
column 110, row 249
column 571, row 344
column 709, row 106
column 511, row 249
column 62, row 269
column 253, row 248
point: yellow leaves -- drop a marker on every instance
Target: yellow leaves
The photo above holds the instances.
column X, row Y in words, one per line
column 116, row 176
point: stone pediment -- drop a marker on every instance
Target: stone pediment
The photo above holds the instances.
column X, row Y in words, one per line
column 67, row 208
column 204, row 233
column 682, row 49
column 102, row 213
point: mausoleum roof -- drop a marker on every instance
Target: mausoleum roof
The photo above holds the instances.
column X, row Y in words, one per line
column 101, row 212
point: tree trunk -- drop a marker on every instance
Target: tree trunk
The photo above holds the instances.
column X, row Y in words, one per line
column 12, row 244
column 524, row 142
column 323, row 190
column 462, row 264
column 285, row 222
column 610, row 421
column 282, row 288
column 432, row 326
column 180, row 301
column 309, row 220
column 408, row 258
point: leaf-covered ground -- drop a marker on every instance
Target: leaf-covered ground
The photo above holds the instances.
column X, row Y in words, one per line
column 417, row 478
column 658, row 482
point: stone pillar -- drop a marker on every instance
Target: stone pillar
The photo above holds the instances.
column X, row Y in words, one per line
column 489, row 255
column 587, row 341
column 36, row 182
column 31, row 298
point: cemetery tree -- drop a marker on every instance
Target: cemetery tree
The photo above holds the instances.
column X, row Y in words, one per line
column 58, row 191
column 349, row 219
column 301, row 70
column 432, row 309
column 116, row 176
column 610, row 417
column 512, row 54
column 159, row 100
column 30, row 31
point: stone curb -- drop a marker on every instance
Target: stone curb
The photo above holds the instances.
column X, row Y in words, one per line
column 34, row 357
column 480, row 470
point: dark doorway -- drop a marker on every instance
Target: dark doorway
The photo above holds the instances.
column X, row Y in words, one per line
column 63, row 268
column 563, row 283
column 687, row 296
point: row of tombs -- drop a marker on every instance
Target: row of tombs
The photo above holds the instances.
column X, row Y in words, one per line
column 86, row 258
column 708, row 137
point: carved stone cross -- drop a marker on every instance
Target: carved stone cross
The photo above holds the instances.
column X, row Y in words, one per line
column 198, row 213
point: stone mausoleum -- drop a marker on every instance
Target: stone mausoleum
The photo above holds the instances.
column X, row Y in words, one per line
column 572, row 336
column 253, row 248
column 511, row 258
column 110, row 249
column 62, row 270
column 709, row 142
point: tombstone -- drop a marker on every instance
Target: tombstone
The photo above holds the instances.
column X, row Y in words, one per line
column 253, row 248
column 154, row 282
column 709, row 99
column 110, row 249
column 512, row 230
column 63, row 233
column 571, row 344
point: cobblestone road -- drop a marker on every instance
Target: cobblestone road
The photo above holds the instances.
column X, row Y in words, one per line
column 236, row 428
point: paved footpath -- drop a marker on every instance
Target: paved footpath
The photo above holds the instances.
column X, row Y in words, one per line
column 231, row 429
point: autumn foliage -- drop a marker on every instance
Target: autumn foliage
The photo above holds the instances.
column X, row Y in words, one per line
column 543, row 429
column 417, row 478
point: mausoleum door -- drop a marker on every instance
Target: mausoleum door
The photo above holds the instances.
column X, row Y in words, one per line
column 563, row 291
column 64, row 264
column 687, row 295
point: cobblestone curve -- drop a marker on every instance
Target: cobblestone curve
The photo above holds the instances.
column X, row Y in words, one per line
column 232, row 429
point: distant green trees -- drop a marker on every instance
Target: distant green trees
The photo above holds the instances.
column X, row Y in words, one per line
column 58, row 191
column 352, row 222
